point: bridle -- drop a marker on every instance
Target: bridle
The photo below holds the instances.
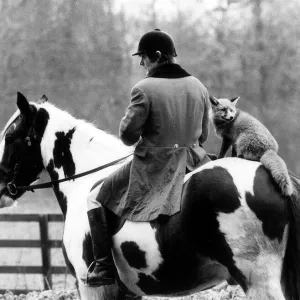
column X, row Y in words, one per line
column 13, row 189
column 11, row 186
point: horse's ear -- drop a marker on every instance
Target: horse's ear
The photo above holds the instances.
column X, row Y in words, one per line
column 235, row 100
column 43, row 99
column 213, row 100
column 23, row 104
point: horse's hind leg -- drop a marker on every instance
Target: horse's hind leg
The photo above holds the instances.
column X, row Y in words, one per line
column 263, row 279
column 268, row 291
column 261, row 276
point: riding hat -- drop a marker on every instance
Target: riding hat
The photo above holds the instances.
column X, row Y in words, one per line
column 156, row 40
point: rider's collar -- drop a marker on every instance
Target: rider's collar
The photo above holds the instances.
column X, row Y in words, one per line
column 170, row 71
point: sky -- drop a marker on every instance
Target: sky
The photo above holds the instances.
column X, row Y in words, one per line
column 165, row 7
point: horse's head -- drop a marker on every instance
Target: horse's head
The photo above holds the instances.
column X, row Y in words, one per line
column 20, row 151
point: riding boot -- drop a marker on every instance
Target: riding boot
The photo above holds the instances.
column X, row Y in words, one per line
column 103, row 271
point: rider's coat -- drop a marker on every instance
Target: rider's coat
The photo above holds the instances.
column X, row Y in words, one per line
column 168, row 117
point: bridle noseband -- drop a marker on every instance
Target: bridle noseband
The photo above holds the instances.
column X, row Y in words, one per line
column 11, row 187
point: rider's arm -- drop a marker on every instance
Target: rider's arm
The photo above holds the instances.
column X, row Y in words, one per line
column 131, row 126
column 205, row 119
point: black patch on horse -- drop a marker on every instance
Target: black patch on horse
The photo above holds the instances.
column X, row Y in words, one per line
column 148, row 284
column 135, row 257
column 217, row 189
column 41, row 122
column 61, row 198
column 62, row 154
column 208, row 193
column 267, row 205
column 33, row 164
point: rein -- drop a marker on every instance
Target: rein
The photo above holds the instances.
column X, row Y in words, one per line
column 50, row 184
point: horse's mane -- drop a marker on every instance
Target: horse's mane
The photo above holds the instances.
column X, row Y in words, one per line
column 89, row 130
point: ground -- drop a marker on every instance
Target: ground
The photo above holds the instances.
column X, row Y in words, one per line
column 221, row 292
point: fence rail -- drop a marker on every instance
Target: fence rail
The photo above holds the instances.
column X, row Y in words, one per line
column 43, row 243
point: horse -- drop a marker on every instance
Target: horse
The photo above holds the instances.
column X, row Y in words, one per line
column 233, row 221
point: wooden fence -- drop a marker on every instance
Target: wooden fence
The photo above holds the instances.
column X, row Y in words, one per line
column 43, row 243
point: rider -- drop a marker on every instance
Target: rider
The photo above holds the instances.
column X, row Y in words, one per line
column 168, row 118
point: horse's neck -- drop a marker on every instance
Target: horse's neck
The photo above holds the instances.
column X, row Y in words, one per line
column 82, row 145
column 92, row 147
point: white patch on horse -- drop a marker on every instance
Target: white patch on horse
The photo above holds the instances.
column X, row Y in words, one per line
column 262, row 260
column 236, row 167
column 144, row 236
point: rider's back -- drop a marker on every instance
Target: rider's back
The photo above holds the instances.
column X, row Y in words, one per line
column 169, row 116
column 177, row 109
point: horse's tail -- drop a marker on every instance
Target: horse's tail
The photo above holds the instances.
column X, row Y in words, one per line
column 290, row 278
column 276, row 165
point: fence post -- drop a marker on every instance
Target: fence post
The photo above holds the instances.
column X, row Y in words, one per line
column 46, row 254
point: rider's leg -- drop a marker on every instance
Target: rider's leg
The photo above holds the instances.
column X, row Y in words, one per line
column 111, row 189
column 101, row 272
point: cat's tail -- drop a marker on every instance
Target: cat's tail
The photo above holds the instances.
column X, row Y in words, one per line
column 278, row 169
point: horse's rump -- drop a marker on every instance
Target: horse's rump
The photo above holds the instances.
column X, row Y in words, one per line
column 291, row 272
column 197, row 246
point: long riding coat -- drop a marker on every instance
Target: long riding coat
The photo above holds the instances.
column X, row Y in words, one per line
column 168, row 116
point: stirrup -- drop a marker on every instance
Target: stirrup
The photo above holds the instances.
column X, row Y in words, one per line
column 101, row 282
column 84, row 280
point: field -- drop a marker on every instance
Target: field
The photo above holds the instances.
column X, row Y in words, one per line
column 63, row 285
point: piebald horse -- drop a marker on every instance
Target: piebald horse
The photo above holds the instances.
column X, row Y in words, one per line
column 233, row 221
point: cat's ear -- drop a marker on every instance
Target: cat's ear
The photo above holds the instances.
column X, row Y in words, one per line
column 234, row 100
column 213, row 100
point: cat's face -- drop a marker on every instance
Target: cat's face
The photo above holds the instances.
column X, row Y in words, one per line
column 223, row 110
